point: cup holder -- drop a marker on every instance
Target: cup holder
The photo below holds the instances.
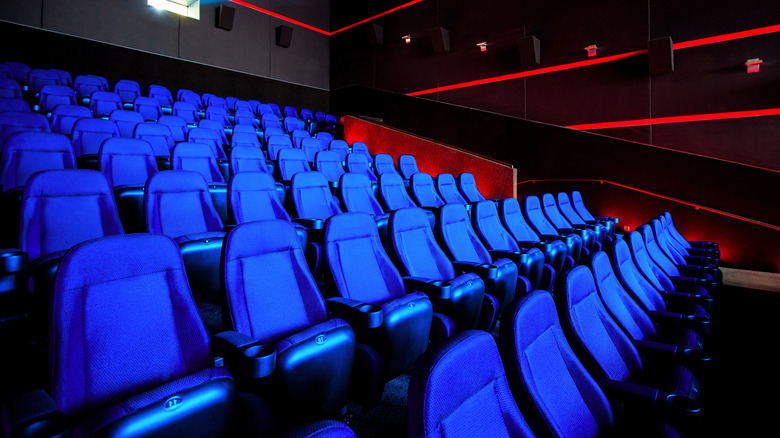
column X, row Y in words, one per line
column 683, row 403
column 259, row 351
column 371, row 315
column 697, row 355
column 370, row 308
column 259, row 361
column 12, row 260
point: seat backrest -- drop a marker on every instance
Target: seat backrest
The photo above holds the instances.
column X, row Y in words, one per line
column 298, row 136
column 357, row 196
column 270, row 132
column 196, row 157
column 13, row 121
column 53, row 95
column 665, row 244
column 21, row 105
column 245, row 116
column 306, row 114
column 407, row 165
column 6, row 72
column 328, row 164
column 25, row 153
column 38, row 77
column 19, row 70
column 244, row 139
column 158, row 135
column 358, row 163
column 292, row 123
column 252, row 196
column 489, row 228
column 655, row 252
column 262, row 253
column 178, row 202
column 63, row 207
column 448, row 189
column 535, row 353
column 161, row 94
column 88, row 134
column 187, row 111
column 9, row 88
column 263, row 109
column 291, row 161
column 644, row 264
column 126, row 161
column 124, row 303
column 458, row 237
column 550, row 209
column 623, row 308
column 359, row 147
column 218, row 114
column 290, row 111
column 360, row 266
column 276, row 143
column 605, row 350
column 514, row 222
column 424, row 190
column 323, row 135
column 101, row 103
column 312, row 197
column 412, row 243
column 85, row 85
column 579, row 206
column 177, row 125
column 565, row 207
column 206, row 97
column 247, row 159
column 631, row 279
column 126, row 121
column 392, row 192
column 64, row 116
column 190, row 97
column 127, row 90
column 459, row 389
column 149, row 107
column 218, row 102
column 468, row 188
column 383, row 163
column 340, row 147
column 270, row 121
column 208, row 137
column 65, row 77
column 532, row 210
column 216, row 127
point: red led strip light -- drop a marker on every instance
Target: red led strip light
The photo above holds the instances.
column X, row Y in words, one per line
column 318, row 30
column 697, row 207
column 678, row 119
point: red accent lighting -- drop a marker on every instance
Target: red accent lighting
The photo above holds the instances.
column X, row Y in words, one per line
column 678, row 119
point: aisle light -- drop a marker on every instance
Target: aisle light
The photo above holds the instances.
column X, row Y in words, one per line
column 187, row 8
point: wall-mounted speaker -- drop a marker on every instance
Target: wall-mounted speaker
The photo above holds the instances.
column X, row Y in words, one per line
column 530, row 53
column 440, row 38
column 375, row 34
column 225, row 16
column 660, row 56
column 283, row 36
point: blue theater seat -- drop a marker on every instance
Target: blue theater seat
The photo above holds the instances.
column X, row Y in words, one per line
column 311, row 196
column 383, row 163
column 532, row 211
column 468, row 188
column 275, row 109
column 128, row 163
column 555, row 251
column 459, row 389
column 19, row 71
column 217, row 101
column 245, row 116
column 290, row 161
column 418, row 255
column 366, row 280
column 497, row 240
column 65, row 77
column 126, row 121
column 177, row 125
column 270, row 132
column 178, row 203
column 243, row 138
column 358, row 163
column 10, row 89
column 216, row 127
column 357, row 196
column 102, row 103
column 424, row 191
column 19, row 105
column 85, row 85
column 270, row 121
column 290, row 111
column 555, row 392
column 328, row 163
column 392, row 192
column 463, row 247
column 682, row 246
column 448, row 189
column 87, row 135
column 190, row 96
column 568, row 211
column 275, row 143
column 245, row 158
column 6, row 72
column 127, row 90
column 582, row 210
column 327, row 136
column 361, row 148
column 589, row 237
column 159, row 136
column 14, row 121
column 220, row 115
column 197, row 157
column 149, row 107
column 298, row 136
column 208, row 137
column 340, row 147
column 64, row 116
column 290, row 124
column 38, row 77
column 163, row 96
column 187, row 111
column 700, row 269
column 407, row 166
column 53, row 95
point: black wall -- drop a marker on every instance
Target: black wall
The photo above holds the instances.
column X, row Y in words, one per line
column 707, row 79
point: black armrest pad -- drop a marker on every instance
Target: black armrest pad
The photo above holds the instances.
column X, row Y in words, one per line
column 34, row 414
column 484, row 271
column 312, row 224
column 246, row 356
column 12, row 260
column 631, row 393
column 355, row 312
column 433, row 288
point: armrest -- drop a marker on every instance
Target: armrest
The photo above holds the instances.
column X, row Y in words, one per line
column 355, row 312
column 515, row 256
column 12, row 260
column 433, row 288
column 678, row 410
column 695, row 360
column 607, row 218
column 246, row 356
column 228, row 228
column 684, row 297
column 579, row 226
column 312, row 224
column 690, row 270
column 565, row 230
column 34, row 414
column 481, row 269
column 699, row 324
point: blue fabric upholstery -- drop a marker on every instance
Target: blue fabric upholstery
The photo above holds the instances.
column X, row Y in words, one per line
column 101, row 103
column 273, row 298
column 291, row 161
column 424, row 191
column 567, row 209
column 270, row 121
column 161, row 94
column 328, row 163
column 244, row 116
column 461, row 243
column 356, row 195
column 312, row 197
column 216, row 127
column 219, row 115
column 209, row 137
column 555, row 251
column 532, row 210
column 393, row 193
column 88, row 134
column 53, row 95
column 85, row 85
column 468, row 188
column 38, row 77
column 448, row 189
column 708, row 249
column 13, row 121
column 247, row 159
column 252, row 196
column 361, row 148
column 419, row 255
column 459, row 389
column 550, row 209
column 198, row 157
column 275, row 143
column 134, row 288
column 362, row 271
column 383, row 163
column 340, row 147
column 127, row 91
column 27, row 152
column 158, row 135
column 298, row 136
column 126, row 121
column 358, row 163
column 149, row 107
column 187, row 111
column 10, row 89
column 177, row 203
column 310, row 147
column 177, row 125
column 530, row 261
column 19, row 105
column 64, row 116
column 126, row 161
column 669, row 267
column 407, row 166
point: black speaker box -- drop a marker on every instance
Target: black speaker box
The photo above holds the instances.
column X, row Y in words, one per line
column 529, row 48
column 283, row 36
column 375, row 34
column 225, row 16
column 440, row 37
column 660, row 56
